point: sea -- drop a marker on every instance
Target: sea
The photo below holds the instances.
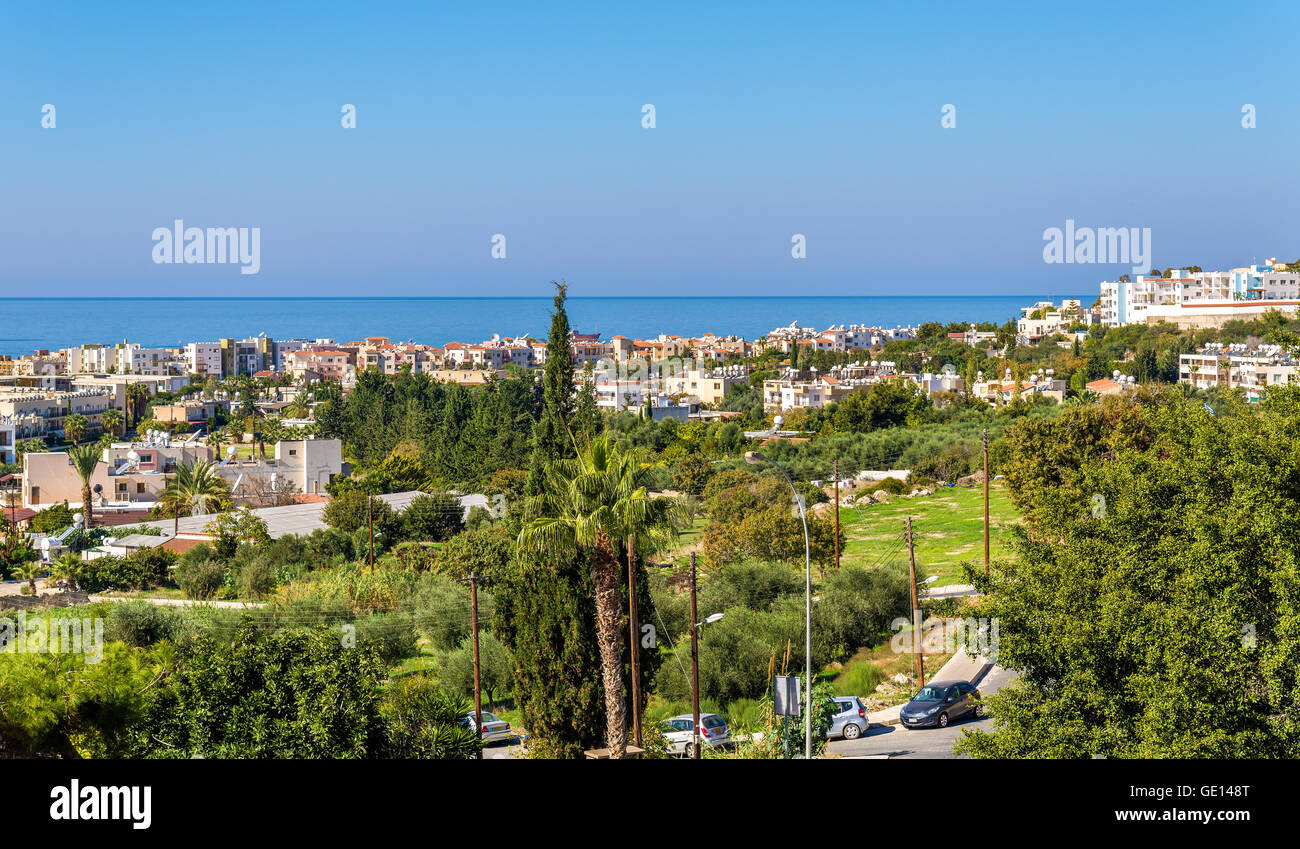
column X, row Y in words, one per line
column 28, row 324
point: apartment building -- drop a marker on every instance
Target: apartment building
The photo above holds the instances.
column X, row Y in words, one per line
column 792, row 391
column 1004, row 389
column 41, row 362
column 248, row 356
column 136, row 359
column 204, row 358
column 131, row 475
column 36, row 412
column 1047, row 319
column 8, row 441
column 320, row 363
column 193, row 411
column 1251, row 368
column 378, row 352
column 302, row 466
column 1200, row 299
column 128, row 475
column 709, row 386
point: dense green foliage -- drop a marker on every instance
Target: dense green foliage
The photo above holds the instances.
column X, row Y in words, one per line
column 1152, row 603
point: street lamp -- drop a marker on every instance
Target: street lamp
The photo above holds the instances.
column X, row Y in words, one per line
column 756, row 458
column 695, row 668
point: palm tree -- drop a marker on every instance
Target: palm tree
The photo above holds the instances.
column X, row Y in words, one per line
column 68, row 567
column 75, row 427
column 194, row 486
column 112, row 420
column 591, row 504
column 137, row 397
column 85, row 459
column 29, row 571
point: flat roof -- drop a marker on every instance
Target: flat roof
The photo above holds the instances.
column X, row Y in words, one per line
column 301, row 519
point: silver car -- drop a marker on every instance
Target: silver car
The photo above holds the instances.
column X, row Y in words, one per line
column 679, row 733
column 850, row 718
column 493, row 730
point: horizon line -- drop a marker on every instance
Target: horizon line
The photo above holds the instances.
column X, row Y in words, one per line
column 486, row 297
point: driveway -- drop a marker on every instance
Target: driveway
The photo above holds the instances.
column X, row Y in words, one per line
column 895, row 741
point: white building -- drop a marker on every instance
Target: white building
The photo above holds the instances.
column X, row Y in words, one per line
column 1203, row 298
column 204, row 358
column 8, row 441
column 1253, row 369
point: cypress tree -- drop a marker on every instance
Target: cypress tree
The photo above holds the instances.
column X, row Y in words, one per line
column 551, row 440
column 546, row 611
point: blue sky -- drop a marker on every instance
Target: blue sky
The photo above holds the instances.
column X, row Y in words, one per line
column 525, row 119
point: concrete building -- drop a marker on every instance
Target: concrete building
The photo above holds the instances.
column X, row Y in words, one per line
column 193, row 411
column 1200, row 299
column 35, row 412
column 8, row 441
column 129, row 476
column 248, row 356
column 299, row 466
column 1251, row 368
column 320, row 363
column 204, row 358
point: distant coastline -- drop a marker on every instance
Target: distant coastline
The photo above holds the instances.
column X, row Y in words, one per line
column 60, row 322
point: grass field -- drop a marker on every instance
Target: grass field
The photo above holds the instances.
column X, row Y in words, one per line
column 948, row 528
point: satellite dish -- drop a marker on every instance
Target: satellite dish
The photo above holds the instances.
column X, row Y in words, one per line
column 230, row 451
column 132, row 456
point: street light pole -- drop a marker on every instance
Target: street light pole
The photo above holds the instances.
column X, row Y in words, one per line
column 754, row 457
column 695, row 670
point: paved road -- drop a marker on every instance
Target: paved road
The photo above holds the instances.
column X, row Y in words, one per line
column 894, row 741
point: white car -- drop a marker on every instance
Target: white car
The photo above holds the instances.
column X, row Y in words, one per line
column 493, row 730
column 679, row 732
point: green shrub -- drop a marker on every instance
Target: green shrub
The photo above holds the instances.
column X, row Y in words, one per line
column 141, row 624
column 891, row 485
column 857, row 679
column 257, row 578
column 200, row 578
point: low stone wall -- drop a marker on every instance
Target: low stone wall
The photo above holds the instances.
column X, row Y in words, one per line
column 43, row 602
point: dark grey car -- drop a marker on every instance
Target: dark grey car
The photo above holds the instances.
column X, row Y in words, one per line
column 939, row 703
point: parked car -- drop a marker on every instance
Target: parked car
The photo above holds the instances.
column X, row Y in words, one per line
column 678, row 732
column 494, row 730
column 939, row 703
column 850, row 718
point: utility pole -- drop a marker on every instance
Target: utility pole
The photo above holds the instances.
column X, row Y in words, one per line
column 478, row 699
column 695, row 670
column 835, row 474
column 634, row 632
column 370, row 524
column 917, row 651
column 986, row 501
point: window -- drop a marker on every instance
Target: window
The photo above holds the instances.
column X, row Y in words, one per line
column 139, row 487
